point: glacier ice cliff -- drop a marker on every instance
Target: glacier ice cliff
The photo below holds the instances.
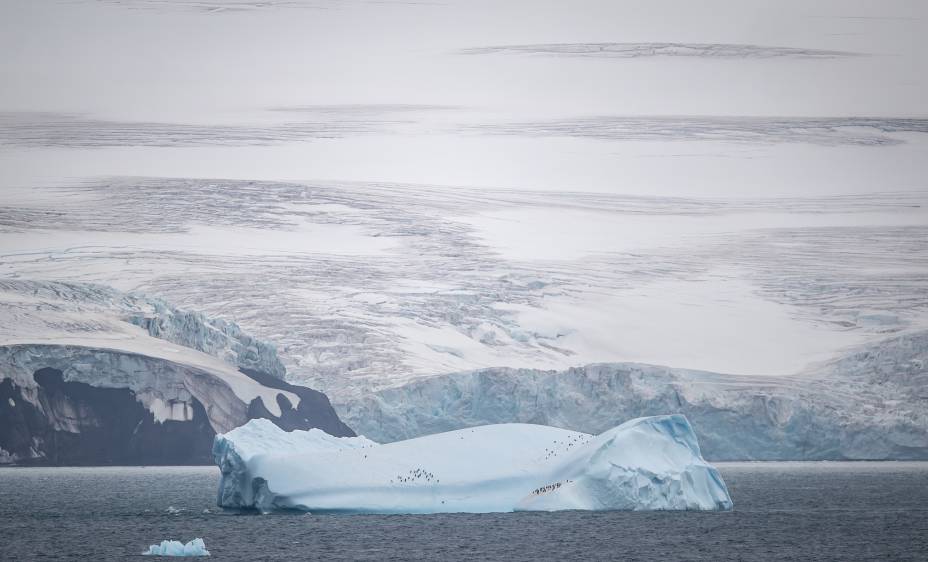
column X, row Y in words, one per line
column 89, row 375
column 71, row 307
column 651, row 463
column 872, row 403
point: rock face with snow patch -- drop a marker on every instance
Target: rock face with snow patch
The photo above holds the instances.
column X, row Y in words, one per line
column 645, row 464
column 82, row 381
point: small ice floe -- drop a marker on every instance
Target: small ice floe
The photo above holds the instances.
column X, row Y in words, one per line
column 196, row 547
column 171, row 510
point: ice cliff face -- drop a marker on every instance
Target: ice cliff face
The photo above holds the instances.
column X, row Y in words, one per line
column 89, row 375
column 237, row 452
column 644, row 464
column 869, row 404
column 213, row 336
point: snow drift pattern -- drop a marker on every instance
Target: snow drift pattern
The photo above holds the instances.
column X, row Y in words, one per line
column 649, row 463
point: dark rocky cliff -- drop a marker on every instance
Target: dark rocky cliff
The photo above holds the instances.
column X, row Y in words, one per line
column 63, row 423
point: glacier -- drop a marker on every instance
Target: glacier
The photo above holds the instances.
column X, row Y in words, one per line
column 58, row 310
column 651, row 463
column 867, row 404
column 90, row 375
column 196, row 376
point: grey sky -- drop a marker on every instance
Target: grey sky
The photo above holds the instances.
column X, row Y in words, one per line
column 164, row 62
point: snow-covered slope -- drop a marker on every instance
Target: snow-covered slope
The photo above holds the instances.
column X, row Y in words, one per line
column 644, row 464
column 366, row 286
column 91, row 375
column 445, row 208
column 36, row 311
column 870, row 404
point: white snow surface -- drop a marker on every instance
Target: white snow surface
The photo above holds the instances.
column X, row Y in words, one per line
column 735, row 187
column 651, row 463
column 445, row 207
column 196, row 547
column 105, row 338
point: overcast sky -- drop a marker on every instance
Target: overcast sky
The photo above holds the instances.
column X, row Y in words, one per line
column 160, row 59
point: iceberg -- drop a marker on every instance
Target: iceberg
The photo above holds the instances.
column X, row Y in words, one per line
column 650, row 463
column 196, row 547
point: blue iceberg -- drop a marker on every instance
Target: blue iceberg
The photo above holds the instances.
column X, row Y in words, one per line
column 196, row 547
column 651, row 463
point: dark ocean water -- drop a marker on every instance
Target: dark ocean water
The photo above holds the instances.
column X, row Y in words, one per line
column 783, row 511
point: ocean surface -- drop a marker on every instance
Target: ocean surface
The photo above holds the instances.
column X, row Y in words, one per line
column 783, row 511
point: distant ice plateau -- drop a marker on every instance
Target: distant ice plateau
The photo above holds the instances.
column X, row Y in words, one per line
column 289, row 124
column 638, row 50
column 365, row 286
column 825, row 131
column 218, row 7
column 285, row 125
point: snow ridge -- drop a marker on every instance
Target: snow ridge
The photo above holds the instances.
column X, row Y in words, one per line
column 49, row 307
